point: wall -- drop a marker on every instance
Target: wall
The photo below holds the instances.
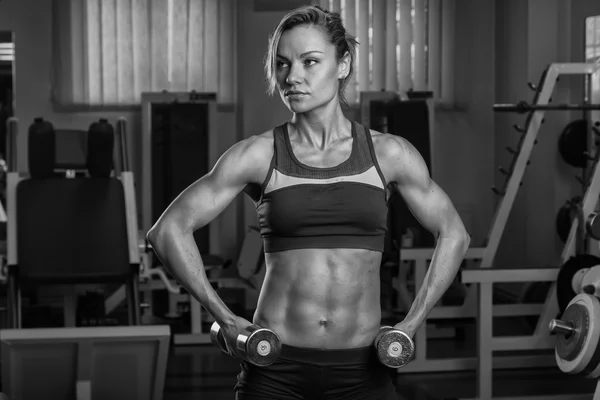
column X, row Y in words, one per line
column 530, row 36
column 465, row 134
column 547, row 31
column 501, row 45
column 260, row 112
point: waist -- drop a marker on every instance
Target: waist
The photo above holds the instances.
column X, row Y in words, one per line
column 308, row 355
column 321, row 298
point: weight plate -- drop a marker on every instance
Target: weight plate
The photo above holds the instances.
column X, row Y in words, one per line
column 572, row 143
column 263, row 347
column 586, row 360
column 259, row 346
column 565, row 216
column 394, row 348
column 568, row 346
column 216, row 337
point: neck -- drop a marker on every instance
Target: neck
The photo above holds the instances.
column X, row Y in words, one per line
column 321, row 127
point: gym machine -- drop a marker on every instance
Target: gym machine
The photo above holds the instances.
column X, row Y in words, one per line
column 151, row 278
column 484, row 277
column 138, row 249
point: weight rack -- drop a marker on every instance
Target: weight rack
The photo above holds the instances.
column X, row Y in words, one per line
column 484, row 277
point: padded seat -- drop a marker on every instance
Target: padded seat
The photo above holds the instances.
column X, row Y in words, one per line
column 71, row 228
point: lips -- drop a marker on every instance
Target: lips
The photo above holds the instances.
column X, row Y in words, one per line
column 293, row 93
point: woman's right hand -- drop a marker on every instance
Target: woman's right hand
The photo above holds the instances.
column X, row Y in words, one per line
column 231, row 331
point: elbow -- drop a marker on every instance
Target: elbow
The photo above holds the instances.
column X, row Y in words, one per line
column 153, row 234
column 459, row 235
column 467, row 240
column 157, row 234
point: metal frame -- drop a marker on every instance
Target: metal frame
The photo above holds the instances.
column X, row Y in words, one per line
column 484, row 278
column 420, row 259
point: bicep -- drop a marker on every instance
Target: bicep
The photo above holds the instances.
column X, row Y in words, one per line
column 202, row 201
column 427, row 201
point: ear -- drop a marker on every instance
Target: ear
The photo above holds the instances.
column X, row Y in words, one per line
column 344, row 66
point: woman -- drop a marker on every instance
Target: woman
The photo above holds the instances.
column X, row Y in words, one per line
column 319, row 182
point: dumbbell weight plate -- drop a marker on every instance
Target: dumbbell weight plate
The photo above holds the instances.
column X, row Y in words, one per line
column 259, row 346
column 394, row 348
column 217, row 338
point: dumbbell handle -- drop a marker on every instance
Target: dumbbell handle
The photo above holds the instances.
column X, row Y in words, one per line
column 561, row 327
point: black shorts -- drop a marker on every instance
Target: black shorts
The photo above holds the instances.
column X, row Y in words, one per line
column 302, row 373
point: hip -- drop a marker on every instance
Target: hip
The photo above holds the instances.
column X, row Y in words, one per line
column 302, row 372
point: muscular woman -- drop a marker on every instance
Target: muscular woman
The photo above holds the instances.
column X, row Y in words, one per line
column 320, row 183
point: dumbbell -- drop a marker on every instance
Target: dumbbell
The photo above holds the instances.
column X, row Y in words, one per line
column 258, row 346
column 394, row 348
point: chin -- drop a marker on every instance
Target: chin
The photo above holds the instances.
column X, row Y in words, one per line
column 298, row 107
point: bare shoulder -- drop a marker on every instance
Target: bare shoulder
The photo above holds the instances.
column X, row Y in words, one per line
column 250, row 157
column 387, row 145
column 254, row 148
column 397, row 157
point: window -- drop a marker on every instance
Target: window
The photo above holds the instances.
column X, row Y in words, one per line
column 403, row 45
column 592, row 39
column 7, row 52
column 592, row 54
column 109, row 52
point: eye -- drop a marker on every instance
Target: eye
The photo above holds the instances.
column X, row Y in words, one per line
column 280, row 64
column 309, row 62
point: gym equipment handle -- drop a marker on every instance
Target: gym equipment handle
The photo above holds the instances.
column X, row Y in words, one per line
column 12, row 126
column 561, row 327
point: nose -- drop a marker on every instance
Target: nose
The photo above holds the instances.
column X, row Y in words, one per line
column 294, row 76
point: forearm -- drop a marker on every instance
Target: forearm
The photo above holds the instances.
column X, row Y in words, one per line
column 178, row 252
column 447, row 257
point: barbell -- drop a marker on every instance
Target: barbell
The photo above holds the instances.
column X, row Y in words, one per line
column 524, row 107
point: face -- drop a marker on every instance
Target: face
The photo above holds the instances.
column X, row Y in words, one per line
column 307, row 70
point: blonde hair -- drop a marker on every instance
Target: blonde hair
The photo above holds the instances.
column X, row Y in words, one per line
column 330, row 23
